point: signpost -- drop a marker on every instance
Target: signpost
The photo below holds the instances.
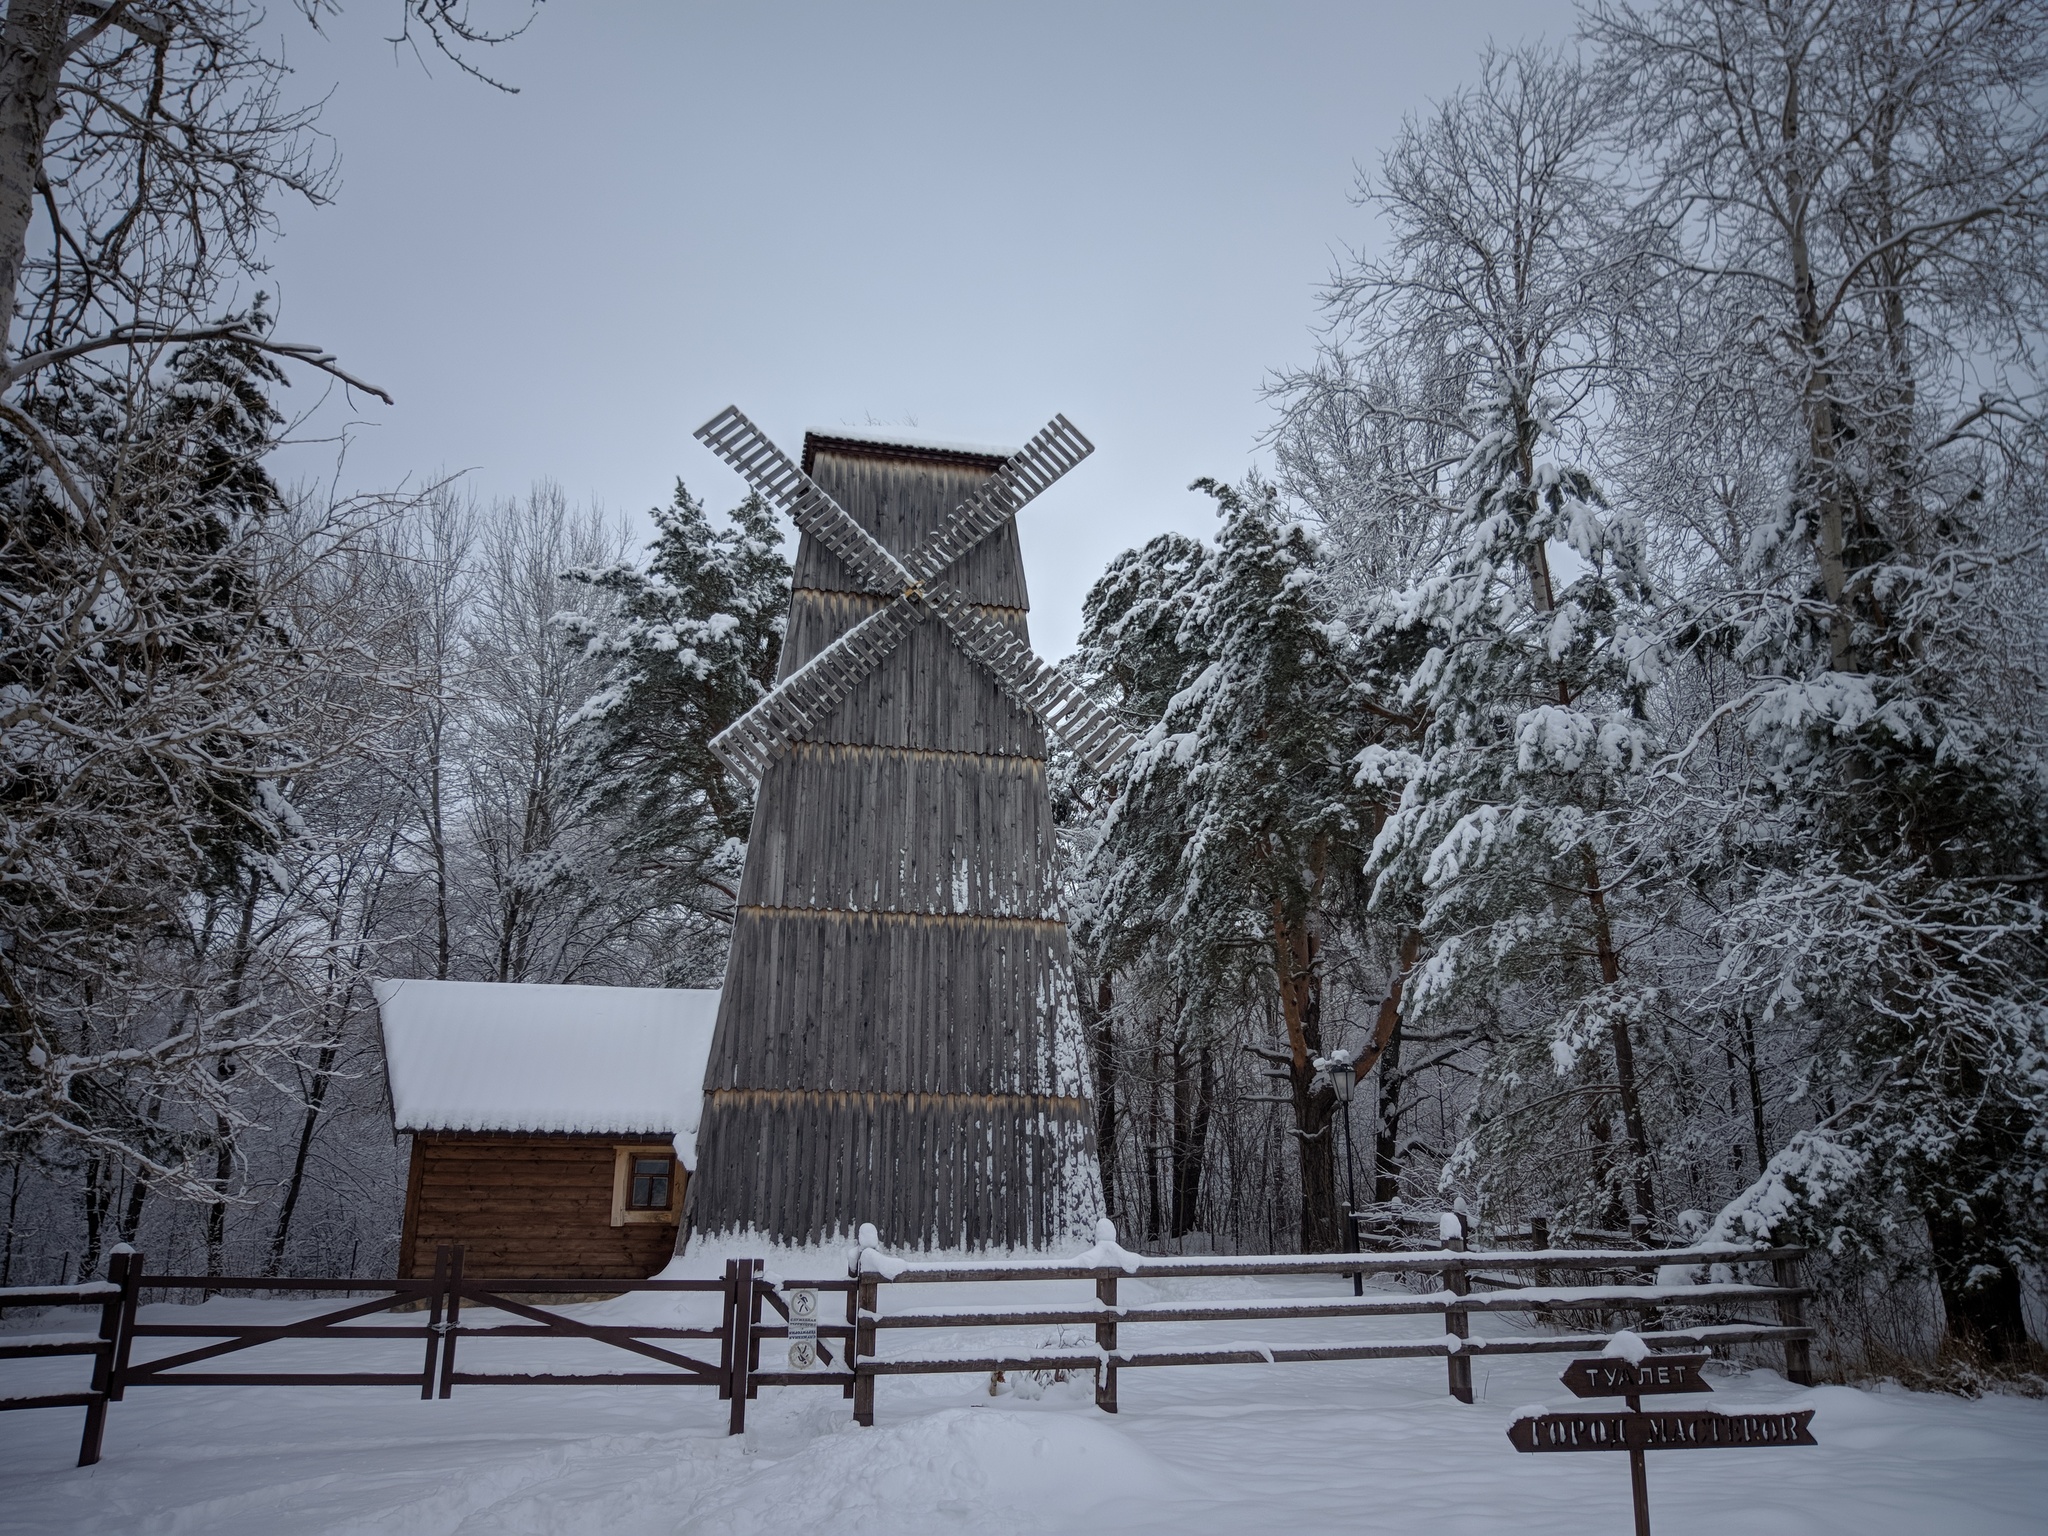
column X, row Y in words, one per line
column 803, row 1329
column 1634, row 1377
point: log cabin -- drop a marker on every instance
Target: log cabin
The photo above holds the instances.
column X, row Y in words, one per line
column 553, row 1127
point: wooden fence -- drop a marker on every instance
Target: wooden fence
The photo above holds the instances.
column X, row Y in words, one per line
column 754, row 1312
column 1454, row 1268
column 108, row 1296
column 437, row 1330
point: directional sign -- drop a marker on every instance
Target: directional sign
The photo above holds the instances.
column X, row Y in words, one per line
column 1696, row 1429
column 1636, row 1431
column 1610, row 1376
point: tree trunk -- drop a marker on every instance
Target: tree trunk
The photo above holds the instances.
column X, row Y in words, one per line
column 14, row 1176
column 1758, row 1128
column 1104, row 1032
column 1386, row 1141
column 1153, row 1204
column 1623, row 1045
column 1300, row 987
column 1193, row 1093
column 437, row 837
column 33, row 48
column 131, row 1214
column 98, row 1196
column 1980, row 1285
column 1315, row 1140
column 316, row 1097
column 224, row 1070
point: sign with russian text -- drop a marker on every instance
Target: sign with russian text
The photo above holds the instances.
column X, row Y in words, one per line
column 1632, row 1370
column 1611, row 1376
column 1695, row 1429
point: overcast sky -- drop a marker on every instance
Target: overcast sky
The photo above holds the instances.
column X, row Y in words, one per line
column 956, row 216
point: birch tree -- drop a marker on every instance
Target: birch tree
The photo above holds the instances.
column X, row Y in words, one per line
column 1859, row 192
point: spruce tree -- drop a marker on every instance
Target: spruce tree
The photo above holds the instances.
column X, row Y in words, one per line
column 1513, row 837
column 1235, row 843
column 695, row 642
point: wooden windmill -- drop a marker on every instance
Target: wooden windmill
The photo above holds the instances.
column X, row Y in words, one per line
column 896, row 1040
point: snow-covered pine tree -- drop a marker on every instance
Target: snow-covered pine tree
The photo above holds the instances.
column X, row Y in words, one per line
column 1236, row 841
column 1513, row 836
column 1131, row 657
column 694, row 642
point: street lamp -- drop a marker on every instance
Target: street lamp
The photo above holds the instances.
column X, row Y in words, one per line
column 1337, row 1068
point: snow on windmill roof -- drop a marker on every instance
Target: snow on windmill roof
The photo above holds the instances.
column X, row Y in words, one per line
column 893, row 443
column 514, row 1056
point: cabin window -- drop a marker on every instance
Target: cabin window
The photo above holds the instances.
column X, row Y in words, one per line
column 646, row 1185
column 649, row 1188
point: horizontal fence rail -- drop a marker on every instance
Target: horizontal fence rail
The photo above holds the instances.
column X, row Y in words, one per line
column 712, row 1355
column 103, row 1346
column 735, row 1355
column 1453, row 1266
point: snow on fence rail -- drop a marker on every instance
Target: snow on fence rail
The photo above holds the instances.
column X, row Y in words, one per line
column 107, row 1294
column 438, row 1330
column 1106, row 1263
column 754, row 1309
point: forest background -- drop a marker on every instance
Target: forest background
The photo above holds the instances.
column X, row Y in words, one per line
column 1598, row 773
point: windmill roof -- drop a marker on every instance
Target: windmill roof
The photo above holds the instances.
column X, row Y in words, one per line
column 513, row 1056
column 891, row 443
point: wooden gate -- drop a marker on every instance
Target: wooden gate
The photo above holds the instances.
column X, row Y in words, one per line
column 723, row 1356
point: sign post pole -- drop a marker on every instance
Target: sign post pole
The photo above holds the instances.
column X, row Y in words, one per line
column 1639, row 1476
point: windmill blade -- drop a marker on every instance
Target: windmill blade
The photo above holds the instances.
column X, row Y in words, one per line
column 1091, row 731
column 813, row 690
column 770, row 471
column 1029, row 472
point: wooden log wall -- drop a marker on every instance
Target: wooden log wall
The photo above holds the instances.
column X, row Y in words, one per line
column 897, row 1040
column 526, row 1205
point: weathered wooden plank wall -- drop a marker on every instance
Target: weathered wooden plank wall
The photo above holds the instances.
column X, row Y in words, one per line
column 537, row 1204
column 897, row 1040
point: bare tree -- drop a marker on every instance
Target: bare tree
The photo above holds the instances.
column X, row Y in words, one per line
column 540, row 912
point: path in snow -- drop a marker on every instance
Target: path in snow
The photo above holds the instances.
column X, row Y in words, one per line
column 1301, row 1449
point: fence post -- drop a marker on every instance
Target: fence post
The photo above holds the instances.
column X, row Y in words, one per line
column 435, row 1297
column 103, row 1362
column 852, row 1336
column 449, row 1330
column 1539, row 1240
column 869, row 1302
column 131, row 1295
column 739, row 1290
column 754, row 1268
column 725, row 1334
column 1792, row 1314
column 1105, row 1340
column 1458, row 1324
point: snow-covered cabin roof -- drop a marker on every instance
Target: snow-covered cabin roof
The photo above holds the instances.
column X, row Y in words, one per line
column 515, row 1056
column 888, row 442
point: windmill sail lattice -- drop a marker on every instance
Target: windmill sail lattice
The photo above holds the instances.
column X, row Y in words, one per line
column 896, row 1039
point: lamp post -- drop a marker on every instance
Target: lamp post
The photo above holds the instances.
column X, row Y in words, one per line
column 1336, row 1067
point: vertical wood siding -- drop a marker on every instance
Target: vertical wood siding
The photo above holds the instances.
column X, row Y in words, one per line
column 897, row 1040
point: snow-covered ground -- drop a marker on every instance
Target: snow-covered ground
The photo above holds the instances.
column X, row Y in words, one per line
column 1299, row 1449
